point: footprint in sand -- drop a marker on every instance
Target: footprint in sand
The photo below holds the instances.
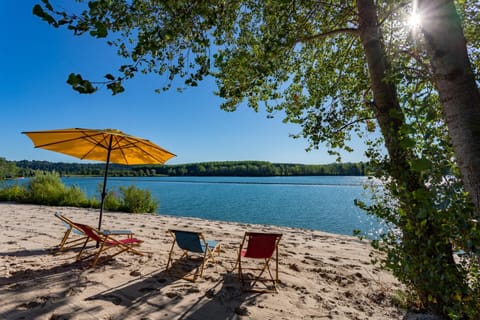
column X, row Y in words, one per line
column 192, row 290
column 307, row 256
column 28, row 305
column 39, row 301
column 75, row 291
column 174, row 295
column 352, row 266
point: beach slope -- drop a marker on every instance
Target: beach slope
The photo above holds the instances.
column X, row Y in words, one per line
column 322, row 276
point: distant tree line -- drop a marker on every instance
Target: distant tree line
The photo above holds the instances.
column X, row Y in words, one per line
column 9, row 169
column 260, row 168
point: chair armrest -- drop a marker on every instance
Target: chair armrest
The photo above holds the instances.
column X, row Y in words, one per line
column 107, row 232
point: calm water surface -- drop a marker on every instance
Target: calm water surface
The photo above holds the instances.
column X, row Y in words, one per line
column 319, row 203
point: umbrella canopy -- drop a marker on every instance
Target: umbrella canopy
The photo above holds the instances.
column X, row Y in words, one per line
column 109, row 145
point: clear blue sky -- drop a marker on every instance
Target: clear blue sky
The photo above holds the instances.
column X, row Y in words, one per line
column 36, row 60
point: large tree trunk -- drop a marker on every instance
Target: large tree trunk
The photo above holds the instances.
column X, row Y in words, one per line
column 417, row 247
column 455, row 82
column 387, row 110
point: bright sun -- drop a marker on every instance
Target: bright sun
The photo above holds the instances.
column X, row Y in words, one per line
column 415, row 20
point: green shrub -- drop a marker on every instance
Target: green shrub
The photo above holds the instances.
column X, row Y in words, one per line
column 46, row 189
column 137, row 200
column 15, row 193
column 427, row 231
column 112, row 201
column 75, row 197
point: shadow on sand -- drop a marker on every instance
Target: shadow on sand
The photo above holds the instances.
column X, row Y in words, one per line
column 158, row 294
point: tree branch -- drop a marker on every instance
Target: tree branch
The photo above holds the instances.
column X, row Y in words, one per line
column 351, row 124
column 352, row 31
column 418, row 59
column 392, row 11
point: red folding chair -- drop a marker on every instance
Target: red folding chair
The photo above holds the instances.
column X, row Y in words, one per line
column 259, row 246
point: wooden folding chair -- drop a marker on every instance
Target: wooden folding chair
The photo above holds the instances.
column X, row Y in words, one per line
column 193, row 242
column 261, row 246
column 106, row 241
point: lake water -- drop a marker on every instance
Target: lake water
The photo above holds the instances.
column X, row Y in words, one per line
column 319, row 203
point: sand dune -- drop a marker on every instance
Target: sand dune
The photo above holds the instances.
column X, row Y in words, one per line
column 322, row 276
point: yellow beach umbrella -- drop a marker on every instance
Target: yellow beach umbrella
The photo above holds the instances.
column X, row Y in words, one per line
column 109, row 145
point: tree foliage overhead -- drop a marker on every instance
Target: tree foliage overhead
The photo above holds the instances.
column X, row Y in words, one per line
column 269, row 52
column 301, row 60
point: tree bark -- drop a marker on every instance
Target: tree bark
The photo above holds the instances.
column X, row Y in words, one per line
column 455, row 82
column 387, row 110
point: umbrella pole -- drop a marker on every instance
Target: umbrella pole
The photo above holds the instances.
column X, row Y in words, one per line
column 104, row 193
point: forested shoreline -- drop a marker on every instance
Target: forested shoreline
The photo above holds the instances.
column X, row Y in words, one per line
column 26, row 168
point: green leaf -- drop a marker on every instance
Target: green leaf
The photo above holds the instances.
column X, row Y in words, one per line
column 79, row 84
column 74, row 79
column 38, row 11
column 109, row 76
column 420, row 164
column 407, row 143
column 101, row 30
column 47, row 5
column 116, row 87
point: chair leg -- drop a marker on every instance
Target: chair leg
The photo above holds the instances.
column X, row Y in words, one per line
column 240, row 272
column 209, row 254
column 68, row 245
column 170, row 255
column 217, row 249
column 100, row 250
column 276, row 265
column 265, row 266
column 203, row 262
column 81, row 250
column 64, row 239
column 184, row 254
column 258, row 277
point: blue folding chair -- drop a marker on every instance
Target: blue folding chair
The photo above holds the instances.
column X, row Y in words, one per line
column 193, row 242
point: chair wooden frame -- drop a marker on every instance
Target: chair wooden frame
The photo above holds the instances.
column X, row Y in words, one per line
column 71, row 227
column 193, row 242
column 259, row 246
column 106, row 241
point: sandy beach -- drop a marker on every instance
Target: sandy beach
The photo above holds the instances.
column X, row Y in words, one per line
column 322, row 276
